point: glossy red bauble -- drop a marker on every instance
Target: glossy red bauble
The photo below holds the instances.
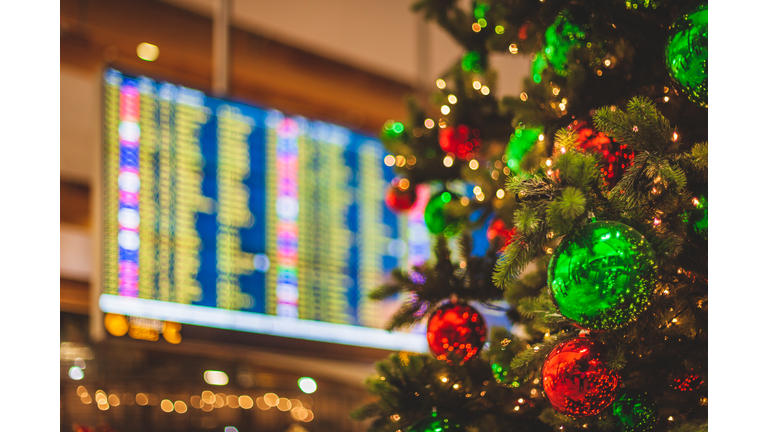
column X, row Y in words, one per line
column 576, row 380
column 461, row 141
column 400, row 200
column 456, row 332
column 498, row 230
column 617, row 158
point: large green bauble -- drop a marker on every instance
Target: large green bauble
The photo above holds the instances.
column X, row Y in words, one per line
column 602, row 276
column 436, row 425
column 440, row 221
column 635, row 411
column 686, row 53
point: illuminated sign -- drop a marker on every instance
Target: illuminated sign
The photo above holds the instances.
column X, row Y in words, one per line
column 225, row 215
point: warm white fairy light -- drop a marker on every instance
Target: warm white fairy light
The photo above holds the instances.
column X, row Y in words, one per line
column 440, row 84
column 476, row 85
column 485, row 90
column 452, row 99
column 500, row 193
column 448, row 161
column 445, row 109
column 429, row 123
column 474, row 164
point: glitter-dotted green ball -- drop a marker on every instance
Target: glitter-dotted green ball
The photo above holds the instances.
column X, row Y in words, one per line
column 440, row 221
column 635, row 411
column 687, row 54
column 602, row 276
column 436, row 425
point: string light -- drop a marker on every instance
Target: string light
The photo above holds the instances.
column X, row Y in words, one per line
column 445, row 109
column 674, row 136
column 666, row 98
column 485, row 90
column 548, row 162
column 476, row 27
column 556, row 91
column 500, row 194
column 440, row 84
column 599, row 72
column 474, row 164
column 464, row 201
column 476, row 85
column 480, row 197
column 513, row 48
column 452, row 99
column 429, row 123
column 523, row 96
column 477, row 190
column 389, row 160
column 448, row 161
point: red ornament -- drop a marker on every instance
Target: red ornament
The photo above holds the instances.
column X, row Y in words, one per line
column 400, row 200
column 616, row 157
column 456, row 332
column 498, row 229
column 576, row 381
column 460, row 141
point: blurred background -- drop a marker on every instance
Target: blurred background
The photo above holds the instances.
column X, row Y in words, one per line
column 338, row 62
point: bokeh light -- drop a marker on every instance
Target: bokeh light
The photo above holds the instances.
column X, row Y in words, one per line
column 147, row 51
column 307, row 385
column 76, row 373
column 245, row 402
column 213, row 377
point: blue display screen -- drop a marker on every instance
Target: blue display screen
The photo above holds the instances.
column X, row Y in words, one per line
column 226, row 215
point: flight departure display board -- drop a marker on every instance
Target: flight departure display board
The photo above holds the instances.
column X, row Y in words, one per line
column 225, row 215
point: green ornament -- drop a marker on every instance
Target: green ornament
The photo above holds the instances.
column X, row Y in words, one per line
column 564, row 34
column 635, row 411
column 602, row 276
column 520, row 143
column 436, row 425
column 686, row 53
column 699, row 217
column 438, row 220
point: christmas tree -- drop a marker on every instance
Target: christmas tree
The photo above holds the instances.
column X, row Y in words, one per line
column 592, row 186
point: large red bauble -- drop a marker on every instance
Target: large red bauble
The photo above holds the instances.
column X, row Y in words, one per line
column 456, row 332
column 616, row 157
column 576, row 380
column 460, row 140
column 400, row 200
column 498, row 229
